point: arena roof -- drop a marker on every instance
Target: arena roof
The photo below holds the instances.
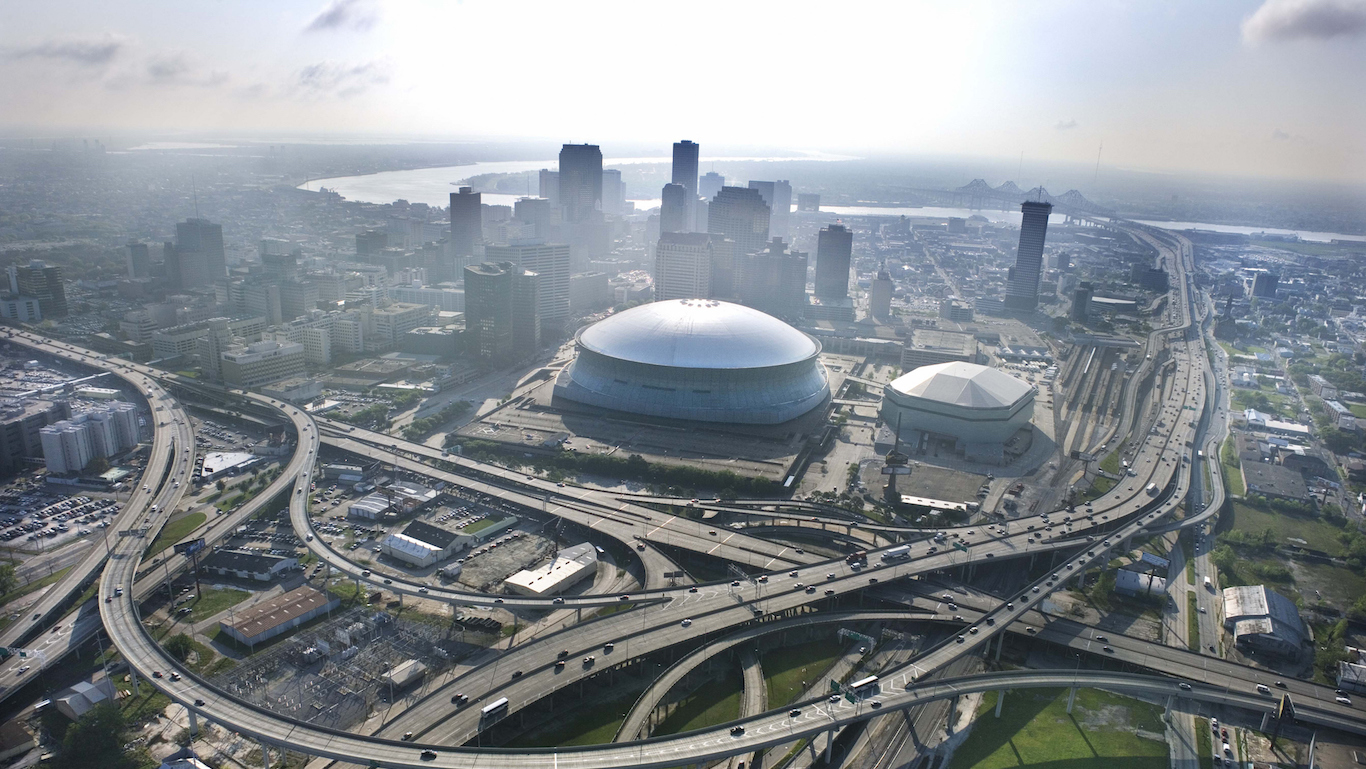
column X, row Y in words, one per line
column 962, row 384
column 698, row 333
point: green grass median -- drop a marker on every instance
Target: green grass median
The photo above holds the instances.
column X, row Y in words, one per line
column 175, row 531
column 1192, row 621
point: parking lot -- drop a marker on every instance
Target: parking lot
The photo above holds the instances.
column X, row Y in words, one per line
column 48, row 518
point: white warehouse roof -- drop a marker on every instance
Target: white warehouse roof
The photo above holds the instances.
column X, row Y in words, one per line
column 963, row 384
column 565, row 570
column 698, row 333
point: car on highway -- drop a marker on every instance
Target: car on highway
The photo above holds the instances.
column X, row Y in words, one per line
column 793, row 713
column 1183, row 686
column 687, row 623
column 1343, row 699
column 516, row 674
column 407, row 736
column 429, row 755
column 737, row 730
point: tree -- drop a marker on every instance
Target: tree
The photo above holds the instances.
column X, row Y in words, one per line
column 95, row 741
column 97, row 466
column 9, row 580
column 220, row 485
column 180, row 646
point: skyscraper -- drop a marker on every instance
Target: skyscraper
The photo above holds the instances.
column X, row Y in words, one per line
column 834, row 246
column 1022, row 286
column 371, row 242
column 139, row 260
column 741, row 215
column 548, row 186
column 710, row 184
column 467, row 223
column 673, row 208
column 205, row 237
column 501, row 320
column 551, row 262
column 880, row 295
column 683, row 265
column 613, row 194
column 580, row 181
column 685, row 167
column 772, row 280
column 1081, row 301
column 1264, row 285
column 39, row 281
column 778, row 196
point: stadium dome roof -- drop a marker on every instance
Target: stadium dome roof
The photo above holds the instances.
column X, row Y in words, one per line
column 962, row 384
column 698, row 333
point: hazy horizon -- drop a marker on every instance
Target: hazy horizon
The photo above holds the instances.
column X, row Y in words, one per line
column 1245, row 89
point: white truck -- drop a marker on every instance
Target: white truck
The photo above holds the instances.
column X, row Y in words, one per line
column 898, row 553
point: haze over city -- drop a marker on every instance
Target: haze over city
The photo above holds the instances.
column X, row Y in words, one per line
column 397, row 384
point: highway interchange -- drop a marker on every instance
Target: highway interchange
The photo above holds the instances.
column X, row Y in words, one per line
column 685, row 617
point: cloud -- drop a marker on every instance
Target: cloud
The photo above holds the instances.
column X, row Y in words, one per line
column 1066, row 125
column 343, row 14
column 1284, row 20
column 83, row 52
column 1281, row 136
column 175, row 69
column 329, row 78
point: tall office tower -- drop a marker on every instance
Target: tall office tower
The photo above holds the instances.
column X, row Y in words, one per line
column 549, row 186
column 501, row 320
column 699, row 215
column 673, row 209
column 551, row 262
column 685, row 167
column 534, row 211
column 880, row 295
column 683, row 265
column 139, row 260
column 207, row 238
column 467, row 222
column 772, row 280
column 741, row 215
column 580, row 181
column 371, row 242
column 710, row 184
column 809, row 202
column 1022, row 285
column 834, row 246
column 1264, row 285
column 39, row 281
column 778, row 196
column 1081, row 301
column 613, row 194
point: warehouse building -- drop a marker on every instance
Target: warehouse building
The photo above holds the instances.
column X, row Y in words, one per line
column 568, row 568
column 281, row 614
column 1263, row 620
column 243, row 565
column 421, row 544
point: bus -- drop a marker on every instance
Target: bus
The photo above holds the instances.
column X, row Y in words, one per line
column 865, row 687
column 493, row 712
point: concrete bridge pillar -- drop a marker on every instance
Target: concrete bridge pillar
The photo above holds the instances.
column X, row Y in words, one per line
column 829, row 745
column 1071, row 698
column 133, row 677
column 1000, row 644
column 953, row 714
column 265, row 756
column 194, row 722
column 1000, row 700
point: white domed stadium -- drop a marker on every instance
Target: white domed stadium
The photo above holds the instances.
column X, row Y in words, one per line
column 696, row 359
column 979, row 408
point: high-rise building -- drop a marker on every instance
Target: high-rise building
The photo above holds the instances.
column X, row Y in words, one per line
column 1022, row 285
column 808, row 202
column 772, row 280
column 371, row 242
column 580, row 181
column 683, row 265
column 613, row 194
column 1081, row 301
column 778, row 196
column 538, row 212
column 501, row 319
column 549, row 186
column 467, row 223
column 139, row 260
column 880, row 295
column 262, row 363
column 673, row 209
column 710, row 184
column 203, row 236
column 685, row 167
column 71, row 444
column 42, row 282
column 1264, row 285
column 834, row 249
column 21, row 422
column 741, row 215
column 551, row 262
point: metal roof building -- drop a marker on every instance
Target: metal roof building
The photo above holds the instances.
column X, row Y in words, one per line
column 977, row 407
column 1263, row 620
column 697, row 359
column 569, row 567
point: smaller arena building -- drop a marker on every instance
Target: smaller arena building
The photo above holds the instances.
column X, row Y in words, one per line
column 976, row 408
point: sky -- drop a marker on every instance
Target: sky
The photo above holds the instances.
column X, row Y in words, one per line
column 1267, row 88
